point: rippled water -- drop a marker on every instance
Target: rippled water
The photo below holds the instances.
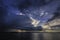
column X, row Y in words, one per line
column 31, row 36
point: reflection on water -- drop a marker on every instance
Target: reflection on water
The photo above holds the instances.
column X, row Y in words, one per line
column 31, row 36
column 37, row 36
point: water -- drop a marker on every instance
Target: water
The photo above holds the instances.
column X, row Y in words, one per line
column 31, row 36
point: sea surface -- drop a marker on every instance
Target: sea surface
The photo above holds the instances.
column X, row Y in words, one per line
column 30, row 36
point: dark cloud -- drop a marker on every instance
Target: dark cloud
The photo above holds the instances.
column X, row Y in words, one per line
column 10, row 8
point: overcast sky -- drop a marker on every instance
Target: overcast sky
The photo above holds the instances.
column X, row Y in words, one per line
column 14, row 11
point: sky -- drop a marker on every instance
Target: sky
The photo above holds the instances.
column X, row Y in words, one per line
column 27, row 13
